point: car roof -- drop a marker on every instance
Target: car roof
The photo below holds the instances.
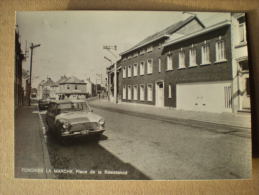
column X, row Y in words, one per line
column 67, row 101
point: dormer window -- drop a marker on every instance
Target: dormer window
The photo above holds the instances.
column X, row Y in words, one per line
column 150, row 48
column 142, row 51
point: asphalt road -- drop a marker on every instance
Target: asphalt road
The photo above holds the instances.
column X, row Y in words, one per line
column 138, row 147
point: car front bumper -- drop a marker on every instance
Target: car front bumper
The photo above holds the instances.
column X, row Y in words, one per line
column 82, row 133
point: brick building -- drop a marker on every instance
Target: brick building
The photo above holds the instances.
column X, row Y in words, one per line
column 185, row 66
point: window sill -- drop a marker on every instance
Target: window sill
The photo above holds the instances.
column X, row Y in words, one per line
column 169, row 70
column 149, row 73
column 241, row 44
column 192, row 66
column 141, row 74
column 220, row 61
column 181, row 68
column 205, row 64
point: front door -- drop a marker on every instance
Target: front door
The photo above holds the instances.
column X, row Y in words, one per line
column 160, row 94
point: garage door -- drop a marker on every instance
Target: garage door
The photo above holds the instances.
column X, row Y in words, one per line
column 209, row 97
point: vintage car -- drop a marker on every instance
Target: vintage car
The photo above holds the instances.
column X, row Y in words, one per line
column 43, row 104
column 73, row 118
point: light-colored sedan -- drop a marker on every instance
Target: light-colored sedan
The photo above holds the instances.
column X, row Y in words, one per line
column 73, row 118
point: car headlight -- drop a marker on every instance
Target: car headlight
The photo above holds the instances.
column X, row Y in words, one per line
column 66, row 125
column 101, row 122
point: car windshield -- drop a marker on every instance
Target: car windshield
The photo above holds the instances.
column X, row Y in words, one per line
column 73, row 106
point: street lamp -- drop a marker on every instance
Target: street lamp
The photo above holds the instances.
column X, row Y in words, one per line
column 109, row 48
column 31, row 47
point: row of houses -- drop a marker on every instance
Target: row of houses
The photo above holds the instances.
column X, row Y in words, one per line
column 67, row 87
column 188, row 66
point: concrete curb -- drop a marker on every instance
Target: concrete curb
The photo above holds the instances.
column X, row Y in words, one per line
column 222, row 128
column 46, row 157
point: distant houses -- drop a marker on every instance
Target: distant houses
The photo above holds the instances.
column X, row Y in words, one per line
column 66, row 88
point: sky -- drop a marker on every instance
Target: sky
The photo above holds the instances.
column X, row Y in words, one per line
column 72, row 41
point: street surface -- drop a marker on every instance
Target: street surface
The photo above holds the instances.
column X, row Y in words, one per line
column 138, row 147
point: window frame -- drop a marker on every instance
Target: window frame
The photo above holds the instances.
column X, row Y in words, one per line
column 140, row 66
column 129, row 67
column 159, row 65
column 149, row 66
column 170, row 55
column 135, row 95
column 124, row 72
column 129, row 95
column 218, row 51
column 140, row 87
column 181, row 58
column 152, row 90
column 205, row 61
column 192, row 54
column 135, row 72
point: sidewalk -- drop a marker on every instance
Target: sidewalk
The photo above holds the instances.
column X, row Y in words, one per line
column 240, row 120
column 31, row 155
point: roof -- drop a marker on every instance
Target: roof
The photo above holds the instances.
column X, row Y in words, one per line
column 208, row 29
column 73, row 79
column 62, row 79
column 49, row 82
column 163, row 33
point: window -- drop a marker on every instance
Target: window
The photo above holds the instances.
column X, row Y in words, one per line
column 142, row 92
column 220, row 50
column 124, row 72
column 150, row 48
column 169, row 62
column 135, row 70
column 205, row 54
column 142, row 68
column 149, row 92
column 124, row 92
column 68, row 87
column 135, row 92
column 242, row 30
column 181, row 59
column 129, row 71
column 75, row 86
column 192, row 57
column 149, row 66
column 169, row 91
column 142, row 51
column 129, row 92
column 160, row 45
column 159, row 64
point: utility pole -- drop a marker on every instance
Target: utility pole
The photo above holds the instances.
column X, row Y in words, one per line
column 110, row 48
column 31, row 47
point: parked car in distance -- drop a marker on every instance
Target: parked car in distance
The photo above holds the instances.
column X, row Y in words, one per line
column 43, row 104
column 73, row 118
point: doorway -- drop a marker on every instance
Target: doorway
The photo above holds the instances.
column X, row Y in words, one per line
column 160, row 93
